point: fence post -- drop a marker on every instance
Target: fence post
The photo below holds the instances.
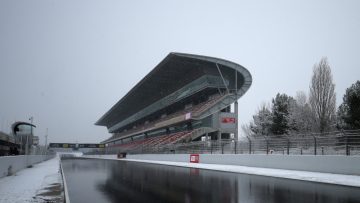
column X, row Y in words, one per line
column 267, row 145
column 347, row 146
column 314, row 144
column 288, row 146
column 347, row 150
column 249, row 144
column 222, row 147
column 250, row 147
column 235, row 146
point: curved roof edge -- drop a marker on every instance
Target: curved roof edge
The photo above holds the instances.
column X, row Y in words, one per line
column 240, row 69
column 243, row 71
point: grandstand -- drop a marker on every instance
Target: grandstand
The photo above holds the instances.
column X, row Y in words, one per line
column 184, row 98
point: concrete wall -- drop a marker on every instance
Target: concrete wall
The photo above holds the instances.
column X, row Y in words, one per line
column 349, row 165
column 11, row 164
column 161, row 157
column 105, row 156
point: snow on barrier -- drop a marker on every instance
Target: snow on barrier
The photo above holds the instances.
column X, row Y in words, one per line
column 348, row 165
column 66, row 190
column 9, row 165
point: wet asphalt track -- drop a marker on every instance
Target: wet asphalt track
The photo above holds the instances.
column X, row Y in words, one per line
column 94, row 180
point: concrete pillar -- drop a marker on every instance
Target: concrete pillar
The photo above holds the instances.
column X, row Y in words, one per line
column 236, row 135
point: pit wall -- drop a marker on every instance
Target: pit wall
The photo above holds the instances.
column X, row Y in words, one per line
column 349, row 165
column 105, row 156
column 9, row 165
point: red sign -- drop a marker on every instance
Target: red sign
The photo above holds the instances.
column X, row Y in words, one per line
column 228, row 120
column 194, row 158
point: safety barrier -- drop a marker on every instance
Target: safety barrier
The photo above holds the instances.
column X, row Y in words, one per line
column 9, row 165
column 348, row 165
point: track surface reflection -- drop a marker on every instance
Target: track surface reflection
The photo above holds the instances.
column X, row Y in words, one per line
column 95, row 180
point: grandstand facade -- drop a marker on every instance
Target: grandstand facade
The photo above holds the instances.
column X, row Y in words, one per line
column 184, row 98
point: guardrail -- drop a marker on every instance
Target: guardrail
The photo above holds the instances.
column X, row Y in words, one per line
column 9, row 165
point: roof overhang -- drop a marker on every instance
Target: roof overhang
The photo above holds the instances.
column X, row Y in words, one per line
column 175, row 71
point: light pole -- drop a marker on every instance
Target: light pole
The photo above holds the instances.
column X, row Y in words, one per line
column 236, row 109
column 27, row 136
column 46, row 136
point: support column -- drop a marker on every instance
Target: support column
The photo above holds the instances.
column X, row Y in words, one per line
column 236, row 135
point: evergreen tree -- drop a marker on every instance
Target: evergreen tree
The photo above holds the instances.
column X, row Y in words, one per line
column 281, row 123
column 262, row 122
column 349, row 110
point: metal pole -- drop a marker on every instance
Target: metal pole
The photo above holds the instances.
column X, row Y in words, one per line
column 314, row 144
column 26, row 145
column 219, row 140
column 227, row 89
column 249, row 144
column 27, row 136
column 236, row 111
column 288, row 146
column 347, row 151
column 222, row 148
column 267, row 145
column 235, row 146
column 46, row 136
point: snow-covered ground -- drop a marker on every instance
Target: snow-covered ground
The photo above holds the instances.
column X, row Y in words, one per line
column 41, row 183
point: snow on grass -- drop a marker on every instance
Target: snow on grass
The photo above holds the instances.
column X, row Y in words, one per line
column 27, row 183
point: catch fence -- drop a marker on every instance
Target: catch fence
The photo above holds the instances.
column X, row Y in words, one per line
column 329, row 143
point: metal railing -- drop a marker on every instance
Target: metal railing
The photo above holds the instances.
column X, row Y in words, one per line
column 330, row 143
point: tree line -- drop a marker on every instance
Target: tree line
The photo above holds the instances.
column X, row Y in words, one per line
column 315, row 112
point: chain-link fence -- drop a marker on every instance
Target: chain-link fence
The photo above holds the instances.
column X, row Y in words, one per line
column 330, row 143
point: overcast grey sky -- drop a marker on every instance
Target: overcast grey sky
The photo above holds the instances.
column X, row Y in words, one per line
column 67, row 62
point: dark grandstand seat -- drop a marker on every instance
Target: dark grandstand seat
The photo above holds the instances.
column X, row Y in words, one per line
column 154, row 141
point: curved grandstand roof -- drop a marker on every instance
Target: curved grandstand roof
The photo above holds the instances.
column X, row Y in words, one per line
column 174, row 72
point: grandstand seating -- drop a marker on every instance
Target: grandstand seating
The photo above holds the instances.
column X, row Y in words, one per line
column 195, row 109
column 206, row 105
column 154, row 141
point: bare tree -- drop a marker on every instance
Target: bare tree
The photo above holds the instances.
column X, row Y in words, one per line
column 247, row 130
column 301, row 115
column 322, row 95
column 301, row 98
